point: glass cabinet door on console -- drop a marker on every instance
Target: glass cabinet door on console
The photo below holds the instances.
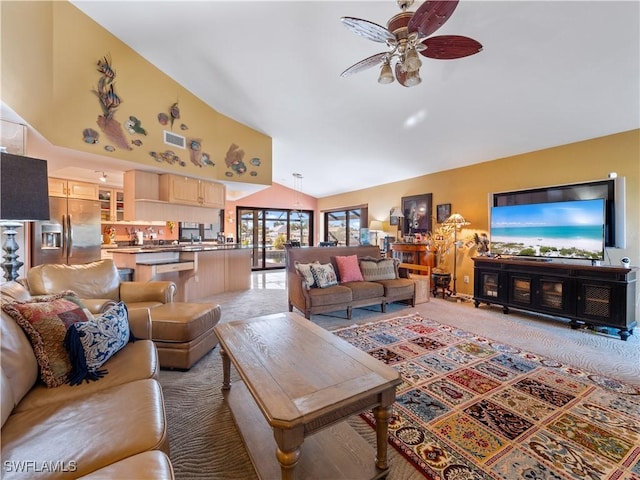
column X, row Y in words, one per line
column 488, row 286
column 520, row 290
column 551, row 294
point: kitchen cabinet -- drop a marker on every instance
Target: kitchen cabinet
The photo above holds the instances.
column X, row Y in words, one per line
column 592, row 295
column 111, row 205
column 59, row 187
column 191, row 191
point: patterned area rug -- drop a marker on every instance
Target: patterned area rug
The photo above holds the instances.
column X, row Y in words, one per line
column 473, row 408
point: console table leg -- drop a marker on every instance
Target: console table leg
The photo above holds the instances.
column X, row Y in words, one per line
column 226, row 370
column 382, row 415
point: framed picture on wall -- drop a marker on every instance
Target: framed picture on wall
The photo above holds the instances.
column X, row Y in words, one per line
column 393, row 220
column 443, row 211
column 417, row 214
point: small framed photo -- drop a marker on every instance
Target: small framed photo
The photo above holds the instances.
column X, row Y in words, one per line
column 443, row 212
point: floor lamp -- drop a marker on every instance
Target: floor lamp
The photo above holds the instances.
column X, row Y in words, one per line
column 456, row 221
column 24, row 197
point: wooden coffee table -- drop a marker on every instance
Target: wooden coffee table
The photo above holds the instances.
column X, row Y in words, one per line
column 299, row 382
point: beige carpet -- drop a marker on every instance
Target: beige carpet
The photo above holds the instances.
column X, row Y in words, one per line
column 205, row 443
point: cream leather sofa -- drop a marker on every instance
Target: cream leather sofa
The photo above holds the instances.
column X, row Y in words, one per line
column 111, row 428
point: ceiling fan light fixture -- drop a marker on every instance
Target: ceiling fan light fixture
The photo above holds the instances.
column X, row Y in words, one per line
column 386, row 74
column 413, row 79
column 412, row 62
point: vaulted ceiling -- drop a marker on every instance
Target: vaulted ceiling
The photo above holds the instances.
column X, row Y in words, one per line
column 550, row 73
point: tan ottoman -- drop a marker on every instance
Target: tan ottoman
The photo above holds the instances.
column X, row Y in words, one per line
column 183, row 332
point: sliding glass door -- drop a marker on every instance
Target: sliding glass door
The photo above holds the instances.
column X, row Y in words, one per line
column 266, row 231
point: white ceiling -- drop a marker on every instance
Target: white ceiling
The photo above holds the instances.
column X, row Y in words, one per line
column 551, row 72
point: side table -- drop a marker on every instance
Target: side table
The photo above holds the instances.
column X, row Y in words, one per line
column 441, row 281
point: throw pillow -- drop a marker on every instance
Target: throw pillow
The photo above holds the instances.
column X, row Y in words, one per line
column 304, row 269
column 378, row 268
column 349, row 269
column 46, row 320
column 324, row 275
column 90, row 344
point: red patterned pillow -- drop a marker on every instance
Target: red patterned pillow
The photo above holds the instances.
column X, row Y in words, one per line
column 349, row 269
column 46, row 320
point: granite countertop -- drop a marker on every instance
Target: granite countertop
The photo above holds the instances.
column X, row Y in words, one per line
column 175, row 248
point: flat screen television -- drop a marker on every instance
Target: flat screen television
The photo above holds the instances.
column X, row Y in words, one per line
column 570, row 229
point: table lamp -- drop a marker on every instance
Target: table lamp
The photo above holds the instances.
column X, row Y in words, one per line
column 375, row 226
column 24, row 197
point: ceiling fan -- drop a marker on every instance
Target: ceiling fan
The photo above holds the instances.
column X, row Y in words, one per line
column 407, row 34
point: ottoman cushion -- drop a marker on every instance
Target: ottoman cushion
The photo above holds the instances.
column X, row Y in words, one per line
column 183, row 322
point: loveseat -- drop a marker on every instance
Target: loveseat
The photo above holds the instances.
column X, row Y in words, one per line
column 380, row 282
column 113, row 427
column 183, row 332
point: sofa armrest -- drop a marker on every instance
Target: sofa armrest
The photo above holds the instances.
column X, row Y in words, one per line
column 137, row 292
column 140, row 323
column 98, row 305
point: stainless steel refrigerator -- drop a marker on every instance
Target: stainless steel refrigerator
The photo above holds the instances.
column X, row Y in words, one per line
column 72, row 235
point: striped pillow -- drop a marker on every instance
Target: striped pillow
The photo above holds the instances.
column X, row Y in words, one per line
column 379, row 268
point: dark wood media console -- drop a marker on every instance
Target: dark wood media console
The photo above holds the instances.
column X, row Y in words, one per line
column 593, row 295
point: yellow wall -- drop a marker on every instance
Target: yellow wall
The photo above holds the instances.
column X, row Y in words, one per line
column 467, row 189
column 49, row 59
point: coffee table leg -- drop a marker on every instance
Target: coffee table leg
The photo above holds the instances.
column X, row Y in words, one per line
column 226, row 370
column 382, row 415
column 288, row 452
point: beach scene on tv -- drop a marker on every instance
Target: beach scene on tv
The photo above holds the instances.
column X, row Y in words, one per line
column 573, row 229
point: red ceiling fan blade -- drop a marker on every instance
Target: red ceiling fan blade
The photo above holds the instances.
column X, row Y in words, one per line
column 369, row 62
column 448, row 47
column 431, row 16
column 368, row 29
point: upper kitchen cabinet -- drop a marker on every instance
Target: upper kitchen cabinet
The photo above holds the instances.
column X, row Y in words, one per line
column 59, row 187
column 111, row 205
column 190, row 191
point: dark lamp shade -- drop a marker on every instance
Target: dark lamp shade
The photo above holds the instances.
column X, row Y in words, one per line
column 24, row 188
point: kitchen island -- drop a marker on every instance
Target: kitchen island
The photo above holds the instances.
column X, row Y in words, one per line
column 198, row 270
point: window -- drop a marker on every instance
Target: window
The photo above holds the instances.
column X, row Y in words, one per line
column 343, row 226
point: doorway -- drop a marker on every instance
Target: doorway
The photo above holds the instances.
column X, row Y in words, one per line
column 266, row 231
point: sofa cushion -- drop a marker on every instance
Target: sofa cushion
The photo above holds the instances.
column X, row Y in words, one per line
column 304, row 269
column 46, row 320
column 90, row 433
column 97, row 279
column 349, row 269
column 151, row 465
column 335, row 295
column 400, row 288
column 324, row 275
column 365, row 290
column 374, row 269
column 90, row 344
column 137, row 361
